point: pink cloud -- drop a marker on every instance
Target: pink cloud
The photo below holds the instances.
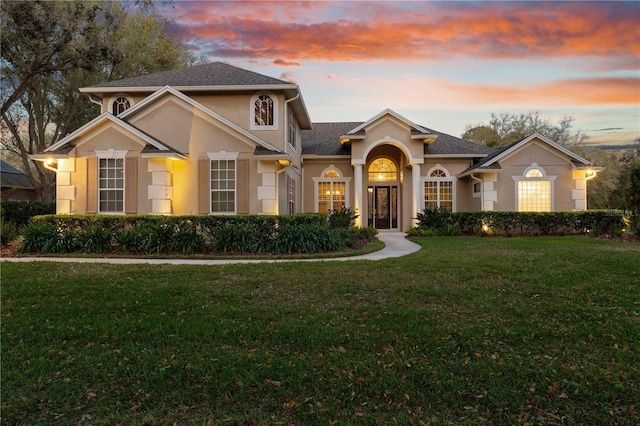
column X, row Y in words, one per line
column 413, row 30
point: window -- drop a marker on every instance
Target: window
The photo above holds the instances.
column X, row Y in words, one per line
column 223, row 186
column 111, row 185
column 382, row 170
column 120, row 105
column 534, row 190
column 331, row 190
column 439, row 190
column 292, row 131
column 477, row 189
column 291, row 194
column 263, row 111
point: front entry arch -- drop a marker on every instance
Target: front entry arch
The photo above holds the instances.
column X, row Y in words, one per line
column 382, row 194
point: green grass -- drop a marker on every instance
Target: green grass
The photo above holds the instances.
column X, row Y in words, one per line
column 466, row 331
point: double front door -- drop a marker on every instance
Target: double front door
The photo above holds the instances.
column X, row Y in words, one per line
column 383, row 206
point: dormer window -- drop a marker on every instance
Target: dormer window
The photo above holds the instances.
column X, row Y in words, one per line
column 120, row 105
column 264, row 112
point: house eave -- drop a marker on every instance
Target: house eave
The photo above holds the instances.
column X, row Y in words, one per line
column 169, row 155
column 224, row 88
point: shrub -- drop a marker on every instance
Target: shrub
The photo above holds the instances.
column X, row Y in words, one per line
column 93, row 239
column 8, row 231
column 343, row 218
column 439, row 222
column 19, row 212
column 432, row 218
column 305, row 233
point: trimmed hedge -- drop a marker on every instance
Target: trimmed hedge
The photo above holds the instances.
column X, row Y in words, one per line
column 300, row 233
column 19, row 212
column 594, row 222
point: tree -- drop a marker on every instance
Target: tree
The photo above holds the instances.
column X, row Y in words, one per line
column 50, row 49
column 505, row 128
column 626, row 194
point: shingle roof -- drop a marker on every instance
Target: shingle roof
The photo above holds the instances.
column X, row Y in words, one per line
column 447, row 144
column 12, row 177
column 324, row 139
column 213, row 74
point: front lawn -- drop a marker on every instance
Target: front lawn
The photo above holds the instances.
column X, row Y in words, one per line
column 467, row 330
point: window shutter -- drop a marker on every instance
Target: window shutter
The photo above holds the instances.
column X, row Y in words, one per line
column 131, row 185
column 204, row 192
column 92, row 185
column 242, row 186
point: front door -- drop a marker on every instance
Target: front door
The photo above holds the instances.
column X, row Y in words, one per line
column 383, row 206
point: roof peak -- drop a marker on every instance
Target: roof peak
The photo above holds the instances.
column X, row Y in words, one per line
column 202, row 75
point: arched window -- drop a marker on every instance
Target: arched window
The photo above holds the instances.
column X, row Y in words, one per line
column 383, row 170
column 439, row 189
column 120, row 105
column 534, row 190
column 331, row 173
column 263, row 111
column 331, row 190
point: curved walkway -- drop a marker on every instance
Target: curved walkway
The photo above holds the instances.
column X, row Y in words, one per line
column 395, row 245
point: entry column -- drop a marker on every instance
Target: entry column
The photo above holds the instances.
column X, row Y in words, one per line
column 417, row 191
column 357, row 196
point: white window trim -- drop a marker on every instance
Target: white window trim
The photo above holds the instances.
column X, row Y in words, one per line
column 292, row 125
column 544, row 177
column 106, row 155
column 113, row 98
column 291, row 195
column 252, row 112
column 473, row 188
column 446, row 178
column 224, row 155
column 322, row 179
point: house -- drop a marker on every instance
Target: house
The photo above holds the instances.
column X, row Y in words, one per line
column 16, row 185
column 217, row 139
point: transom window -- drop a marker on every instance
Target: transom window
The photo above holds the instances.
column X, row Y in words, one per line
column 534, row 173
column 223, row 186
column 439, row 190
column 263, row 107
column 382, row 170
column 120, row 105
column 331, row 174
column 111, row 185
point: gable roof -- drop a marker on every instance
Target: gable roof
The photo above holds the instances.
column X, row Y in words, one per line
column 10, row 177
column 491, row 161
column 212, row 77
column 324, row 139
column 212, row 74
column 63, row 145
column 170, row 90
column 412, row 125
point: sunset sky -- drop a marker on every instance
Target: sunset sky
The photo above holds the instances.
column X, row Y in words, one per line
column 441, row 64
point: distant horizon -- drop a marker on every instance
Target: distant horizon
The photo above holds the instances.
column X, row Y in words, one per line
column 444, row 65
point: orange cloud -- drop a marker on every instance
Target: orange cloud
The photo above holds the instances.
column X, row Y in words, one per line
column 596, row 91
column 413, row 30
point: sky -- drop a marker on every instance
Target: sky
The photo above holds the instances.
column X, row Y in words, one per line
column 444, row 65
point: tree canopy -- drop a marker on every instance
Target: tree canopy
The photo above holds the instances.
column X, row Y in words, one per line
column 506, row 128
column 50, row 49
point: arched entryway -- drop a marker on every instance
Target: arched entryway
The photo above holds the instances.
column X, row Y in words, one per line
column 383, row 180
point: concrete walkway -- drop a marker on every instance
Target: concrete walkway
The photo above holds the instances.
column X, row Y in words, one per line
column 395, row 245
